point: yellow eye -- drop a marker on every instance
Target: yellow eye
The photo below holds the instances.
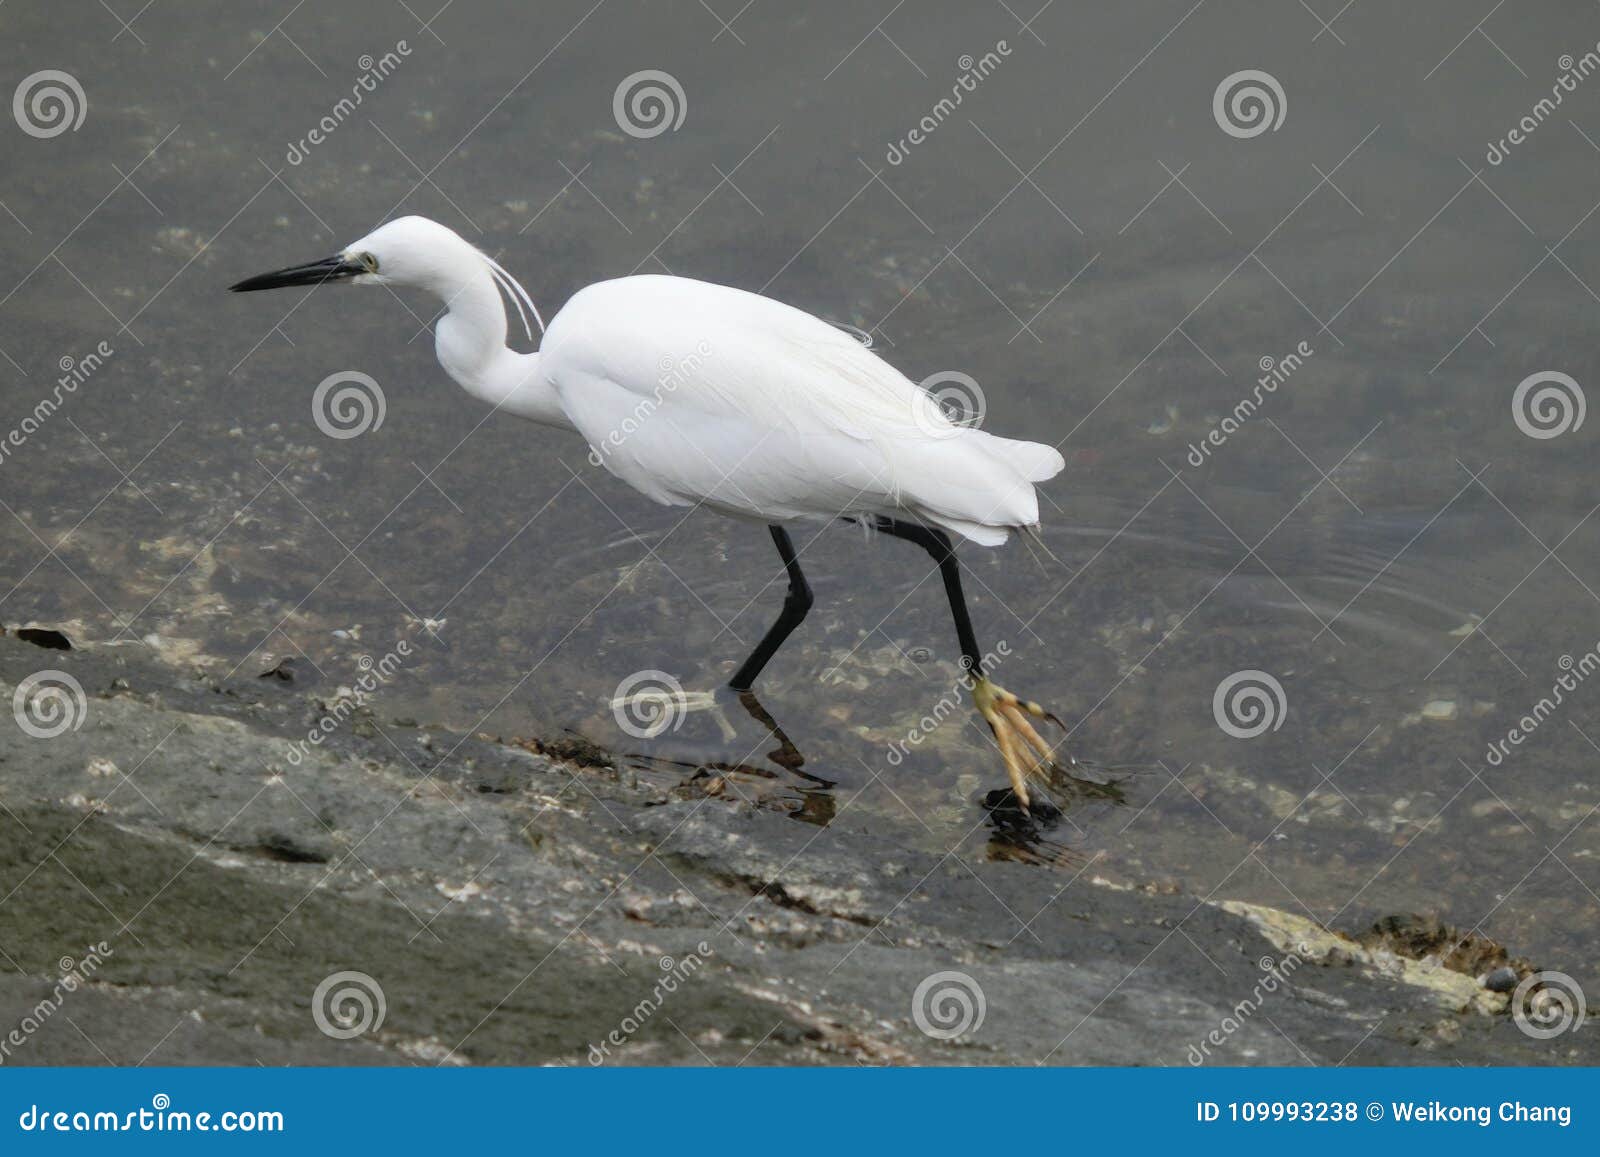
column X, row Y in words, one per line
column 370, row 262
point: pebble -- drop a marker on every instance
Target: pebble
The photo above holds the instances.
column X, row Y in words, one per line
column 1501, row 980
column 1164, row 424
column 1440, row 710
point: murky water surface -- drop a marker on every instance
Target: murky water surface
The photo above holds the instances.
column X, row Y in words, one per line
column 1379, row 537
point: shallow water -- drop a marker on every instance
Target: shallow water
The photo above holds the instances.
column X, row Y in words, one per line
column 1377, row 537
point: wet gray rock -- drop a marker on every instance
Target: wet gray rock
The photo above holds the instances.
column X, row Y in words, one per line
column 515, row 909
column 1501, row 980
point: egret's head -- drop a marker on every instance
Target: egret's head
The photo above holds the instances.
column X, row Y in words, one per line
column 408, row 251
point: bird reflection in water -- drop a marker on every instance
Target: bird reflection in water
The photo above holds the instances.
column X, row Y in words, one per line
column 734, row 767
column 1076, row 793
column 723, row 761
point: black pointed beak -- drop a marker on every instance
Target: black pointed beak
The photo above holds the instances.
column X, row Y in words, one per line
column 336, row 268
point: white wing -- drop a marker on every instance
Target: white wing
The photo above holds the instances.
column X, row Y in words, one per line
column 695, row 392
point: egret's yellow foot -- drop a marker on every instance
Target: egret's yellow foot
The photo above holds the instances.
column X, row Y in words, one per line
column 1022, row 748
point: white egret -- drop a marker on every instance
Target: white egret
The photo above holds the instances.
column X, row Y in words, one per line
column 700, row 394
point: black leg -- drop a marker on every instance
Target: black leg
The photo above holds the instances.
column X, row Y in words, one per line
column 937, row 543
column 795, row 605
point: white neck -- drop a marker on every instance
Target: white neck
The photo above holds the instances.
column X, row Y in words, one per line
column 470, row 341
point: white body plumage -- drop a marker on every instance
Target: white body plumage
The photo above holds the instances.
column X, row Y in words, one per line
column 698, row 393
column 760, row 410
column 695, row 393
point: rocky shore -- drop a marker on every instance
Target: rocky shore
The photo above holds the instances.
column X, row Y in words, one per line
column 397, row 894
